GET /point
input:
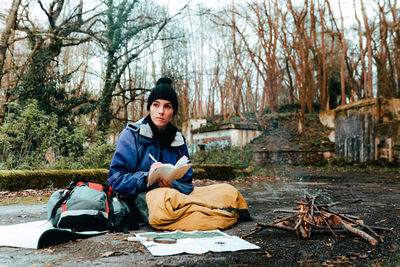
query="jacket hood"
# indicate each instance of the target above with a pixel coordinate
(145, 131)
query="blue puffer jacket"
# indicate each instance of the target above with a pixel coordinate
(131, 162)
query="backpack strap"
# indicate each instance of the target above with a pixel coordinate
(108, 190)
(78, 181)
(59, 203)
(66, 193)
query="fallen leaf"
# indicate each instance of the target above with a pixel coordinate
(267, 254)
(363, 256)
(356, 241)
(113, 253)
(329, 245)
(48, 250)
(340, 262)
(107, 254)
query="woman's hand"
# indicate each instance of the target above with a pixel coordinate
(164, 183)
(153, 167)
(161, 181)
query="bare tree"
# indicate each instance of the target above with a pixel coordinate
(368, 34)
(36, 74)
(386, 51)
(324, 94)
(298, 54)
(125, 36)
(395, 42)
(342, 58)
(11, 24)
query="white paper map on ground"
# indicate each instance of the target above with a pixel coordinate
(38, 234)
(195, 242)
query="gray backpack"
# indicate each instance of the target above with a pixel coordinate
(86, 206)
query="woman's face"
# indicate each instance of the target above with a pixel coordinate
(161, 112)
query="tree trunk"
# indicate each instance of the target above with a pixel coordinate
(368, 34)
(5, 36)
(105, 111)
(342, 59)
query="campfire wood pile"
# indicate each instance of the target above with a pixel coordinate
(312, 215)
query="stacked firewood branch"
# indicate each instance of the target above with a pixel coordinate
(312, 215)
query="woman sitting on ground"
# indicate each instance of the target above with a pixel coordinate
(153, 135)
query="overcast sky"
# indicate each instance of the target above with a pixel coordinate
(347, 6)
(175, 5)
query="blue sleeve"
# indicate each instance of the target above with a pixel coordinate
(184, 184)
(122, 176)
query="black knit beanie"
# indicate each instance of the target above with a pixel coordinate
(163, 90)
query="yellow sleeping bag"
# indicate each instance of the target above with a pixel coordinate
(206, 208)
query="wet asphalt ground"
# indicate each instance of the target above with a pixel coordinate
(373, 198)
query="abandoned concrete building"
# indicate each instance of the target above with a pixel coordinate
(368, 130)
(201, 137)
(364, 131)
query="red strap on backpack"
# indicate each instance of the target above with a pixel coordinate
(97, 187)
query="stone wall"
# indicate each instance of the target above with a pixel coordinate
(291, 157)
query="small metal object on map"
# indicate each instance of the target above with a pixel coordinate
(165, 240)
(161, 240)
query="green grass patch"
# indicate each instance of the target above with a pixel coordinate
(28, 200)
